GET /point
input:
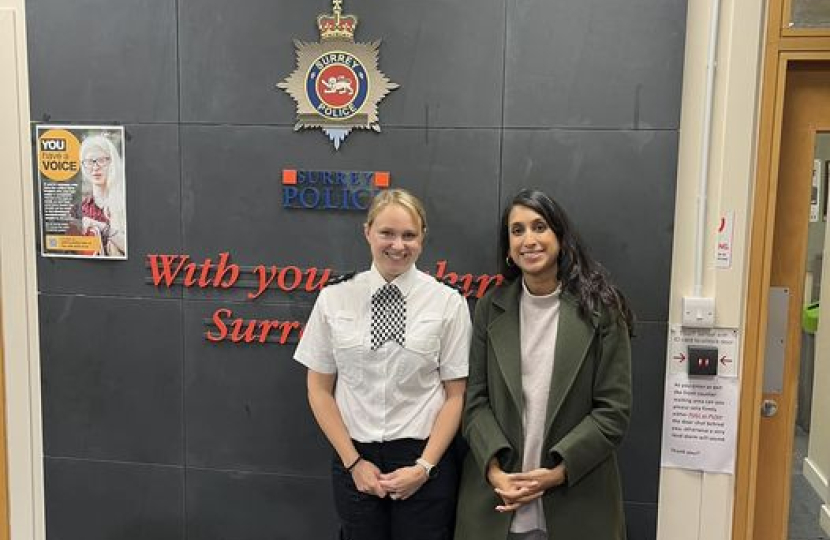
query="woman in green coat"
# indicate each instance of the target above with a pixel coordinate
(549, 390)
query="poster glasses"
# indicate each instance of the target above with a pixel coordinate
(101, 162)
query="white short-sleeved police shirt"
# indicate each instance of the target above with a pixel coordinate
(393, 392)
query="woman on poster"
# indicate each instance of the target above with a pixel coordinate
(103, 213)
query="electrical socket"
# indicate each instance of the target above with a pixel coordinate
(698, 312)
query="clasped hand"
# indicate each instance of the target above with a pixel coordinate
(400, 484)
(89, 224)
(516, 489)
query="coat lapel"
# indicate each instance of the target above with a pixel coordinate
(503, 332)
(572, 342)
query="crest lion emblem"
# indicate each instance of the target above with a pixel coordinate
(337, 84)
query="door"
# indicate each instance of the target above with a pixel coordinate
(806, 110)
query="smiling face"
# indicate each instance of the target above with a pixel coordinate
(96, 162)
(534, 246)
(395, 238)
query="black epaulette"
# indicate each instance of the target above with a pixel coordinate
(340, 278)
(452, 285)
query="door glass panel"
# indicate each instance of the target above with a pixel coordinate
(810, 14)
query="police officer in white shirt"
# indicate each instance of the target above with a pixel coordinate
(387, 355)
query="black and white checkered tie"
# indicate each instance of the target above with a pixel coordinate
(388, 316)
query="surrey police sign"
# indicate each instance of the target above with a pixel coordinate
(331, 190)
(337, 84)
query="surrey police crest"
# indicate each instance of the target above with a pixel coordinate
(337, 84)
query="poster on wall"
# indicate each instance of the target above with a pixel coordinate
(700, 423)
(81, 188)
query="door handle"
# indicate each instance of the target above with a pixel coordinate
(769, 408)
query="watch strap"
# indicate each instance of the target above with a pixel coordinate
(428, 467)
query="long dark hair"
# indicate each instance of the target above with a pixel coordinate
(580, 275)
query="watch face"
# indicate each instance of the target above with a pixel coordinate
(431, 470)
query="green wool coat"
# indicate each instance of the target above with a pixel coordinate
(587, 415)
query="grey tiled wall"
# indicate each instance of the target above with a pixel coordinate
(150, 431)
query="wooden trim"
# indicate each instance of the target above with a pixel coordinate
(806, 56)
(760, 248)
(776, 21)
(5, 530)
(785, 12)
(18, 286)
(792, 41)
(760, 245)
(805, 33)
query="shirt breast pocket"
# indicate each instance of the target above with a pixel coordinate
(347, 344)
(417, 368)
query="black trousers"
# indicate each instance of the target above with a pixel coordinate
(429, 514)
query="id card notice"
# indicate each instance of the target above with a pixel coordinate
(700, 423)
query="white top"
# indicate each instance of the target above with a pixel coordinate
(539, 326)
(393, 392)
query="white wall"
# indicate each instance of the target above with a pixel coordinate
(817, 462)
(18, 303)
(695, 505)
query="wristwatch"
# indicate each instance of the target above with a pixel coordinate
(431, 470)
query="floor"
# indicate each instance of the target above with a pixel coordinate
(804, 503)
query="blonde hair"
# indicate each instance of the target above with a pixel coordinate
(115, 202)
(402, 198)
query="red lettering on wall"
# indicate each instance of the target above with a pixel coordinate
(465, 281)
(237, 335)
(167, 268)
(166, 271)
(282, 279)
(218, 317)
(288, 279)
(264, 278)
(312, 273)
(485, 281)
(250, 330)
(170, 270)
(222, 271)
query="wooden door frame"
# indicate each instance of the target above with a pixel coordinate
(18, 291)
(5, 531)
(783, 46)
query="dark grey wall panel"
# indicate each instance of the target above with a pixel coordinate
(232, 195)
(640, 450)
(594, 63)
(226, 79)
(112, 378)
(641, 521)
(619, 189)
(98, 60)
(447, 56)
(244, 506)
(246, 406)
(87, 500)
(580, 98)
(154, 213)
(234, 53)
